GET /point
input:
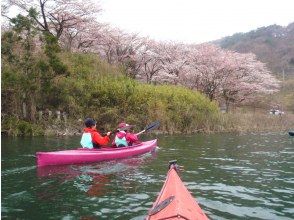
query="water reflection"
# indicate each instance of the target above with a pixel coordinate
(91, 178)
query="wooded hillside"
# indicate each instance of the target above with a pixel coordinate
(273, 45)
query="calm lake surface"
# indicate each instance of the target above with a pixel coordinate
(232, 177)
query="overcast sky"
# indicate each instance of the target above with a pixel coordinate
(195, 21)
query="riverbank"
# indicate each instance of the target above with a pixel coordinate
(99, 90)
(228, 123)
(255, 122)
(236, 122)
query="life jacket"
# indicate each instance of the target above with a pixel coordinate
(92, 139)
(120, 139)
(86, 140)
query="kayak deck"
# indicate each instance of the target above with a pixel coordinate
(175, 201)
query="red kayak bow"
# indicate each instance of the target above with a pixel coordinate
(175, 201)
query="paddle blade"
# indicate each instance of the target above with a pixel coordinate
(152, 126)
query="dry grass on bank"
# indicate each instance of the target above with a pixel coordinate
(255, 122)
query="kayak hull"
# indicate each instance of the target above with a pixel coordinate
(175, 201)
(80, 156)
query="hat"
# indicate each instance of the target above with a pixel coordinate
(124, 126)
(89, 122)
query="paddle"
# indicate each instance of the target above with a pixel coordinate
(150, 127)
(119, 129)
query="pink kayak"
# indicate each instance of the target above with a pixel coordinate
(80, 155)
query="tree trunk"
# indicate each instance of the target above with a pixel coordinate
(227, 105)
(211, 95)
(33, 111)
(24, 106)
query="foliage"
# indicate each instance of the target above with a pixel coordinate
(101, 91)
(28, 71)
(51, 50)
(111, 97)
(15, 127)
(244, 121)
(19, 63)
(283, 100)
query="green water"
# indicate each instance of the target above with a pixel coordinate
(231, 176)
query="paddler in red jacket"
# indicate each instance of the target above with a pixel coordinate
(91, 137)
(123, 137)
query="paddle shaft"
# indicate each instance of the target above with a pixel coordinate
(147, 128)
(141, 132)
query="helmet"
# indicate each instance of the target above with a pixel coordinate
(89, 122)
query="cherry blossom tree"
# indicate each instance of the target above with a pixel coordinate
(210, 67)
(119, 46)
(151, 61)
(54, 16)
(227, 75)
(175, 62)
(83, 37)
(250, 79)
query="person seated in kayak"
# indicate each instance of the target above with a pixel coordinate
(91, 137)
(124, 137)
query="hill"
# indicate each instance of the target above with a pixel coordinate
(273, 45)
